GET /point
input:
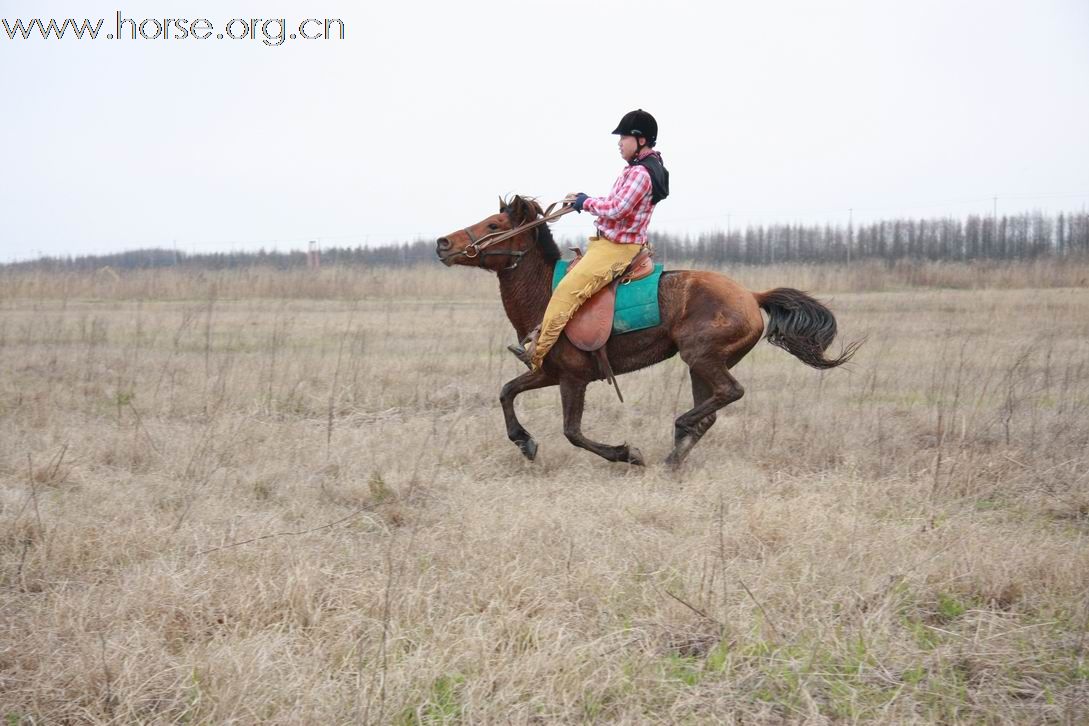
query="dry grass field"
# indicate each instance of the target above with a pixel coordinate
(260, 497)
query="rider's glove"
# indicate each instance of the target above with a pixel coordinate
(580, 199)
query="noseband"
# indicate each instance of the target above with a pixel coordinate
(474, 245)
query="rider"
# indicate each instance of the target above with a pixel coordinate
(622, 220)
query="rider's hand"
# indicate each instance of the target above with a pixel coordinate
(578, 201)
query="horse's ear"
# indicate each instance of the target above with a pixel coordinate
(520, 210)
(502, 204)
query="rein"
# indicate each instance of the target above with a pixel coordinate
(479, 246)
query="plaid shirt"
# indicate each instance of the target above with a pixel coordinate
(624, 215)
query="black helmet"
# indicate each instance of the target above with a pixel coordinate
(638, 123)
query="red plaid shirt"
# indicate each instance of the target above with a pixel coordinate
(624, 215)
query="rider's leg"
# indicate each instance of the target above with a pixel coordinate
(604, 260)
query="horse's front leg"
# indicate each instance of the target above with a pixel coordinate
(515, 431)
(573, 394)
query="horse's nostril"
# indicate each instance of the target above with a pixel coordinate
(444, 244)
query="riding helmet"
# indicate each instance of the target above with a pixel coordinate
(638, 123)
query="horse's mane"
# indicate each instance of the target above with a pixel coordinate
(526, 209)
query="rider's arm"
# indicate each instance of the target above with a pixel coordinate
(635, 185)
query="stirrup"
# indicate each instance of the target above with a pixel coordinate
(521, 350)
(521, 354)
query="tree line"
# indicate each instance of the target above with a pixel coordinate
(1012, 237)
(1008, 238)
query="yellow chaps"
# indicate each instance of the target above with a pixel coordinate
(604, 260)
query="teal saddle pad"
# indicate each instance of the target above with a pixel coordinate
(636, 302)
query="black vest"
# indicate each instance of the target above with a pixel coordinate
(659, 175)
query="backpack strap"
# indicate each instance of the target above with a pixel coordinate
(659, 175)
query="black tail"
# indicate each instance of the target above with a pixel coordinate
(802, 326)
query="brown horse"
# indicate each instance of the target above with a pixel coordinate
(706, 317)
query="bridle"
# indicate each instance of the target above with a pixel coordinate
(474, 245)
(480, 246)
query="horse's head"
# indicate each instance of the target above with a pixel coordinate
(477, 245)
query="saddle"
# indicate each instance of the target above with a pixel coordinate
(589, 328)
(592, 324)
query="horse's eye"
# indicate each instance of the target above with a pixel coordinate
(493, 226)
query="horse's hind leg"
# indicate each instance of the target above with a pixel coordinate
(515, 431)
(701, 391)
(713, 387)
(573, 394)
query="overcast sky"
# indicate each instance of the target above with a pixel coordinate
(413, 124)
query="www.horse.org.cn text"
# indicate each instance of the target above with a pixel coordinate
(270, 31)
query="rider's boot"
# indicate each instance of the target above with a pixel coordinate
(524, 349)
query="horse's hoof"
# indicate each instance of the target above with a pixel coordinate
(635, 457)
(528, 448)
(673, 461)
(680, 452)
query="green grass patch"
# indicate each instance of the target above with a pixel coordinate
(443, 704)
(950, 608)
(687, 670)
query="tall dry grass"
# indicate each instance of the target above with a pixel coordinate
(234, 506)
(432, 281)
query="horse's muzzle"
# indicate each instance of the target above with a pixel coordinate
(442, 247)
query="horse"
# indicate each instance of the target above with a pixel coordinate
(711, 321)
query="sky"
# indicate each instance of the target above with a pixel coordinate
(414, 123)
